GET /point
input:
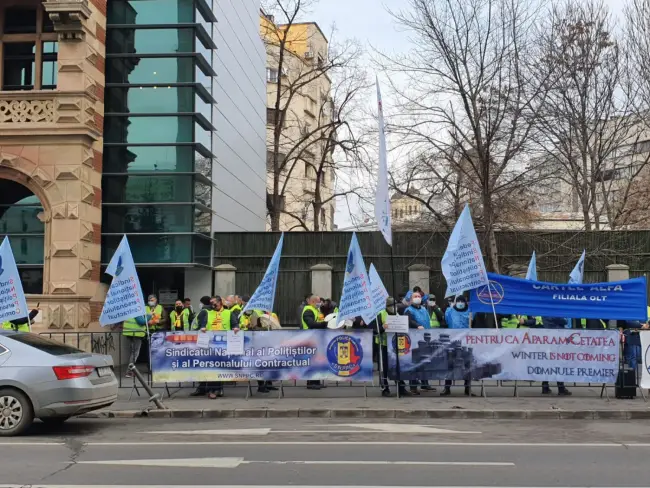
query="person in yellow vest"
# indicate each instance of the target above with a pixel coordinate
(219, 318)
(134, 331)
(21, 324)
(179, 318)
(201, 319)
(233, 303)
(310, 318)
(156, 311)
(509, 321)
(437, 318)
(593, 324)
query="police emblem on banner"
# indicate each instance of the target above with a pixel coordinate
(402, 343)
(344, 355)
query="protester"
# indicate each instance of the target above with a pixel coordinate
(391, 309)
(418, 319)
(155, 310)
(200, 322)
(554, 323)
(310, 320)
(631, 338)
(437, 318)
(458, 318)
(179, 318)
(187, 303)
(21, 324)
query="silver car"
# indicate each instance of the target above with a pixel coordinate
(42, 378)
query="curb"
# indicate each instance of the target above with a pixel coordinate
(370, 413)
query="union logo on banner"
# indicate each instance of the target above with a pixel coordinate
(344, 355)
(491, 293)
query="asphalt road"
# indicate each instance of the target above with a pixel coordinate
(328, 453)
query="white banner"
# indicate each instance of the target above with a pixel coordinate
(585, 356)
(645, 358)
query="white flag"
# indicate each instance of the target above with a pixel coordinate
(124, 299)
(382, 201)
(264, 296)
(356, 300)
(12, 297)
(377, 289)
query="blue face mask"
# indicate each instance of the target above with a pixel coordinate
(461, 306)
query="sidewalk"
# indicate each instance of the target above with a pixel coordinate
(349, 401)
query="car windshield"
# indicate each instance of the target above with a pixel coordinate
(46, 345)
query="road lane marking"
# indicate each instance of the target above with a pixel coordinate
(391, 463)
(359, 443)
(272, 486)
(241, 432)
(172, 463)
(407, 429)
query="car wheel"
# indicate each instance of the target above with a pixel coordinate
(16, 412)
(54, 420)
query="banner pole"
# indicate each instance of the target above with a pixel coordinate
(397, 366)
(494, 311)
(29, 322)
(149, 349)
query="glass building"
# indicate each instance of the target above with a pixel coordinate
(158, 128)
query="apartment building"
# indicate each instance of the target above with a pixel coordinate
(298, 73)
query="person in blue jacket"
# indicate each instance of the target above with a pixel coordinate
(418, 316)
(457, 317)
(554, 323)
(632, 342)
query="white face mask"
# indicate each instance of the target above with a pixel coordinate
(417, 301)
(461, 305)
(432, 304)
(152, 303)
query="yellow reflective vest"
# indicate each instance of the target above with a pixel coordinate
(24, 327)
(180, 321)
(511, 322)
(313, 310)
(131, 328)
(218, 320)
(156, 317)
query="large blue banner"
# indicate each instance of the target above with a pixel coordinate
(272, 355)
(623, 300)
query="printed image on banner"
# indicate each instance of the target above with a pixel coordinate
(272, 355)
(12, 298)
(588, 356)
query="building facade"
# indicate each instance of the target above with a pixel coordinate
(299, 73)
(107, 128)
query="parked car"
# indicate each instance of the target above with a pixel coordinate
(44, 379)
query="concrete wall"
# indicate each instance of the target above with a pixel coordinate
(239, 143)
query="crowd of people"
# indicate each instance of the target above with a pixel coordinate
(422, 309)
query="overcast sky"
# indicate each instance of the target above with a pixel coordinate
(370, 22)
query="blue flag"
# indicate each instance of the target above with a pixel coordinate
(462, 263)
(356, 299)
(12, 297)
(124, 299)
(577, 275)
(531, 274)
(378, 290)
(264, 296)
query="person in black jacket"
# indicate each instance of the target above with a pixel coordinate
(554, 323)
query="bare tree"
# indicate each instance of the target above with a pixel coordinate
(637, 16)
(466, 92)
(589, 130)
(301, 148)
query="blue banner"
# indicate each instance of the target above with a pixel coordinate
(356, 297)
(622, 300)
(264, 296)
(268, 355)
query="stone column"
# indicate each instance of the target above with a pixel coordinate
(618, 272)
(419, 276)
(225, 280)
(321, 280)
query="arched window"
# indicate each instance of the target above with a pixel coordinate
(19, 210)
(401, 213)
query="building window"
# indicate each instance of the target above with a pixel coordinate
(29, 49)
(272, 75)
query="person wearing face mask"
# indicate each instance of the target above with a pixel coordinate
(310, 319)
(381, 341)
(437, 319)
(179, 318)
(200, 322)
(458, 318)
(418, 319)
(154, 309)
(220, 319)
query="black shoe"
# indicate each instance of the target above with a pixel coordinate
(272, 388)
(197, 393)
(263, 389)
(220, 393)
(428, 388)
(446, 392)
(546, 391)
(403, 392)
(564, 392)
(415, 391)
(385, 392)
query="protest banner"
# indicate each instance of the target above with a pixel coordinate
(645, 358)
(531, 274)
(272, 355)
(377, 290)
(507, 354)
(462, 263)
(356, 300)
(264, 296)
(124, 299)
(622, 300)
(12, 297)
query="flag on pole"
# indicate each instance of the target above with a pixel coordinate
(462, 263)
(377, 290)
(264, 296)
(124, 299)
(531, 274)
(382, 201)
(12, 297)
(356, 299)
(577, 275)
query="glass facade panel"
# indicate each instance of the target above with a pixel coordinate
(152, 249)
(203, 136)
(151, 41)
(125, 159)
(156, 218)
(19, 65)
(150, 70)
(147, 12)
(151, 100)
(202, 249)
(27, 249)
(20, 20)
(202, 49)
(146, 189)
(204, 79)
(203, 107)
(50, 68)
(136, 130)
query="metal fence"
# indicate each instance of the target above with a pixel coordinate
(111, 343)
